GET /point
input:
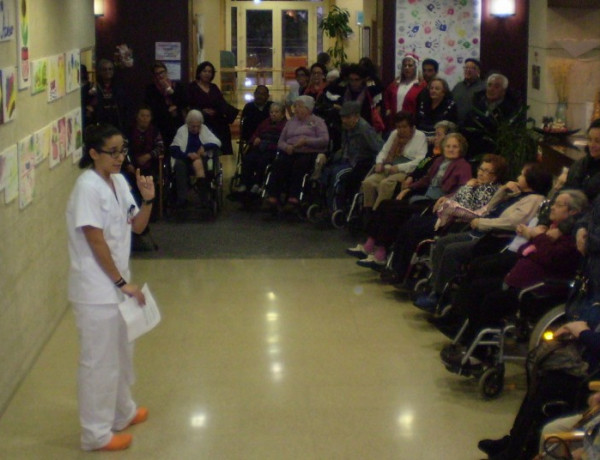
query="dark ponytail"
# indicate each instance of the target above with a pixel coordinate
(94, 138)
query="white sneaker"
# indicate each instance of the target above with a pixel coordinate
(357, 251)
(371, 262)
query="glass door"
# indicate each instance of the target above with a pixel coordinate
(272, 39)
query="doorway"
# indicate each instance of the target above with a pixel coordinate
(271, 39)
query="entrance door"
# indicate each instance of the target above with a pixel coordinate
(270, 39)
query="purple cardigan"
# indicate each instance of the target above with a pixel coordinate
(457, 174)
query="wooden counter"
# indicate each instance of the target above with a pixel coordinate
(555, 156)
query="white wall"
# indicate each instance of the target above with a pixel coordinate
(33, 247)
(545, 26)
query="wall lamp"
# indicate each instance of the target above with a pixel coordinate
(502, 8)
(98, 8)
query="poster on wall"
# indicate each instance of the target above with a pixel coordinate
(26, 171)
(1, 100)
(448, 31)
(39, 76)
(7, 20)
(52, 78)
(42, 144)
(23, 44)
(76, 135)
(9, 94)
(54, 158)
(73, 70)
(62, 138)
(10, 174)
(4, 167)
(61, 76)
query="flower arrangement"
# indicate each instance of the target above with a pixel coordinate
(560, 71)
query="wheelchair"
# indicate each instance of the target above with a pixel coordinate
(205, 196)
(537, 314)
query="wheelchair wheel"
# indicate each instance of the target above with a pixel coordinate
(420, 288)
(491, 382)
(312, 213)
(551, 321)
(338, 219)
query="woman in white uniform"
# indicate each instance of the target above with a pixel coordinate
(101, 214)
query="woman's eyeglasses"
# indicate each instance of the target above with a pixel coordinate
(114, 154)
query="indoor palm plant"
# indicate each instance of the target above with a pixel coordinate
(336, 25)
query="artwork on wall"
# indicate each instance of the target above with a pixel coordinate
(42, 144)
(52, 78)
(62, 76)
(23, 44)
(10, 174)
(39, 76)
(9, 94)
(26, 170)
(1, 100)
(62, 138)
(448, 31)
(76, 134)
(7, 20)
(54, 158)
(73, 70)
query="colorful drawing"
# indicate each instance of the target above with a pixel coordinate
(26, 171)
(62, 76)
(9, 92)
(7, 20)
(42, 140)
(73, 70)
(1, 100)
(54, 158)
(77, 128)
(70, 134)
(23, 44)
(39, 75)
(439, 29)
(52, 73)
(10, 174)
(62, 138)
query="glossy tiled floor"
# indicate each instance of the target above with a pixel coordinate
(271, 359)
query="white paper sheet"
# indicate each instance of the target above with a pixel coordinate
(140, 320)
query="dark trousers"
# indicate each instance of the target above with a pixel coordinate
(288, 172)
(348, 183)
(526, 429)
(254, 164)
(387, 220)
(416, 229)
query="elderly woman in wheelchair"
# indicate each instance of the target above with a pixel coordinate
(193, 152)
(302, 138)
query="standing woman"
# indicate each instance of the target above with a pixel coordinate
(437, 106)
(167, 100)
(205, 96)
(101, 214)
(402, 93)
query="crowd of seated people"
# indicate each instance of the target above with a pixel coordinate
(411, 148)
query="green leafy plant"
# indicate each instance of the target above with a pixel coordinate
(336, 25)
(512, 138)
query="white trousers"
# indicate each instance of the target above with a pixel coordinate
(105, 373)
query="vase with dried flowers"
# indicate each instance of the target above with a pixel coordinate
(560, 70)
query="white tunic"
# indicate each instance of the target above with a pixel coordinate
(93, 203)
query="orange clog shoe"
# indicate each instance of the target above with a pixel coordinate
(117, 442)
(140, 416)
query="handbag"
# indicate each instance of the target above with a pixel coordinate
(560, 354)
(229, 112)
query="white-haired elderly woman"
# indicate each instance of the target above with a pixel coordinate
(194, 144)
(302, 138)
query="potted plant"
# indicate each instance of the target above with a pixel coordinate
(512, 138)
(336, 25)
